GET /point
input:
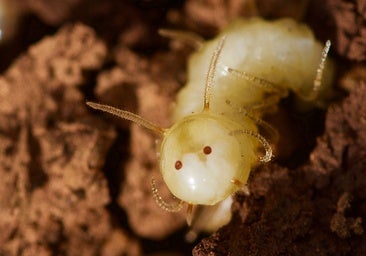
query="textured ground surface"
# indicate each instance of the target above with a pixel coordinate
(75, 182)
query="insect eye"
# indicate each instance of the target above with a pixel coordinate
(207, 150)
(178, 165)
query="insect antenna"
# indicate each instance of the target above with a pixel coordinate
(190, 38)
(211, 73)
(160, 201)
(269, 130)
(268, 156)
(127, 115)
(319, 73)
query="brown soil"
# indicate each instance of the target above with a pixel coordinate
(76, 182)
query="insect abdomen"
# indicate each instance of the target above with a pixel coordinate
(283, 52)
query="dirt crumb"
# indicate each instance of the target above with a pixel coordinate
(349, 19)
(51, 153)
(340, 224)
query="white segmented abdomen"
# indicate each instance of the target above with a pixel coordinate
(282, 52)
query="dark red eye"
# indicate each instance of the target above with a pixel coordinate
(178, 165)
(207, 150)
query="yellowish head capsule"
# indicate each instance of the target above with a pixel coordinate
(203, 170)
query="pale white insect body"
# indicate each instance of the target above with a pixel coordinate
(279, 56)
(208, 153)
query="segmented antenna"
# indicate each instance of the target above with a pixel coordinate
(211, 73)
(319, 74)
(160, 201)
(269, 154)
(127, 115)
(319, 71)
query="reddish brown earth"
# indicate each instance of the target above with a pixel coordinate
(76, 182)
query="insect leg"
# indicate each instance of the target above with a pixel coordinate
(264, 84)
(189, 215)
(243, 187)
(272, 132)
(266, 105)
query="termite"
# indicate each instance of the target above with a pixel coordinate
(207, 154)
